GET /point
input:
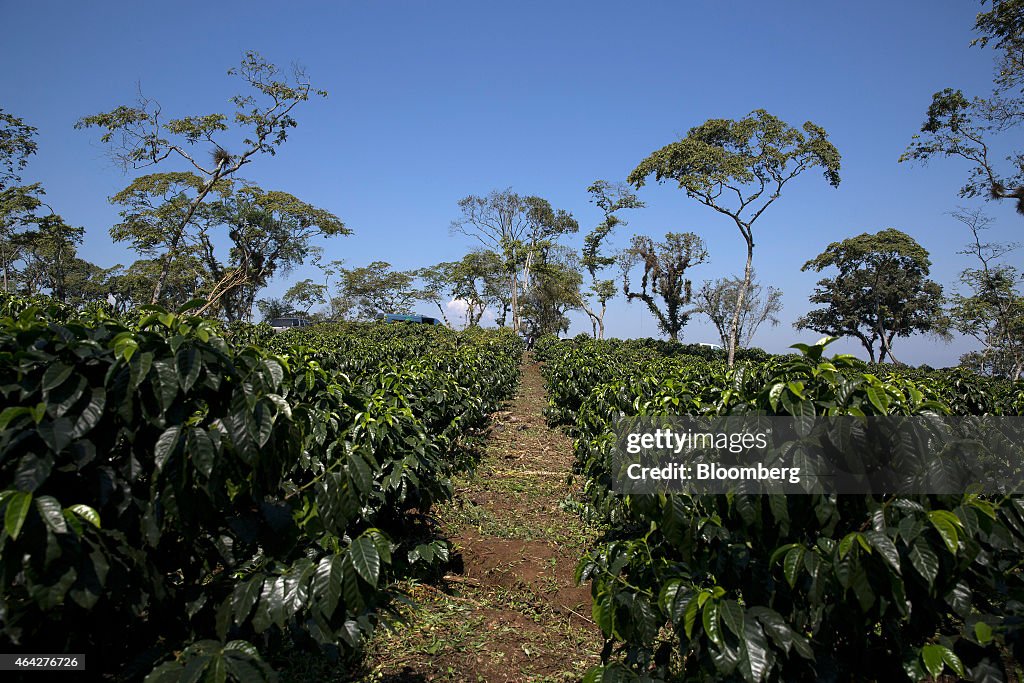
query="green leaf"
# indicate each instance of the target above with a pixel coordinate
(690, 616)
(791, 565)
(57, 433)
(201, 450)
(276, 372)
(757, 650)
(55, 375)
(8, 414)
(732, 615)
(359, 470)
(32, 471)
(244, 597)
(167, 384)
(925, 561)
(797, 389)
(189, 362)
(327, 583)
(983, 632)
(711, 623)
(86, 513)
(781, 551)
(885, 547)
(878, 397)
(952, 661)
(946, 523)
(91, 414)
(365, 559)
(52, 513)
(931, 657)
(17, 511)
(165, 446)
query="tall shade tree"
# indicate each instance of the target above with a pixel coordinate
(131, 287)
(717, 300)
(274, 308)
(517, 228)
(499, 222)
(664, 276)
(18, 203)
(738, 168)
(881, 292)
(545, 225)
(992, 310)
(16, 146)
(141, 137)
(271, 232)
(49, 253)
(555, 292)
(305, 294)
(153, 207)
(594, 258)
(376, 289)
(437, 283)
(971, 128)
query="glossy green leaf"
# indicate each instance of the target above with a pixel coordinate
(365, 559)
(87, 513)
(18, 506)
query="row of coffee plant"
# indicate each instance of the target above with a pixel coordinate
(177, 501)
(789, 588)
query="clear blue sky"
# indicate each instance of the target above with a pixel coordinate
(432, 101)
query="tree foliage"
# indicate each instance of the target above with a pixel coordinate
(664, 276)
(992, 310)
(717, 300)
(376, 289)
(305, 294)
(594, 258)
(881, 292)
(141, 137)
(477, 281)
(555, 292)
(518, 229)
(269, 232)
(738, 168)
(16, 146)
(975, 129)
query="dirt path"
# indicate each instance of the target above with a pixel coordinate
(509, 610)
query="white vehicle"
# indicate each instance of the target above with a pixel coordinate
(710, 346)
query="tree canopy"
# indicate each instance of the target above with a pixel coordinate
(594, 258)
(975, 129)
(738, 168)
(881, 292)
(992, 309)
(141, 137)
(664, 276)
(717, 300)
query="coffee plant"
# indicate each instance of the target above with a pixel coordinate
(176, 502)
(789, 588)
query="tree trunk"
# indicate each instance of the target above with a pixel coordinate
(870, 348)
(165, 267)
(443, 316)
(515, 301)
(886, 349)
(734, 326)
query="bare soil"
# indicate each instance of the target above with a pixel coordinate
(508, 609)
